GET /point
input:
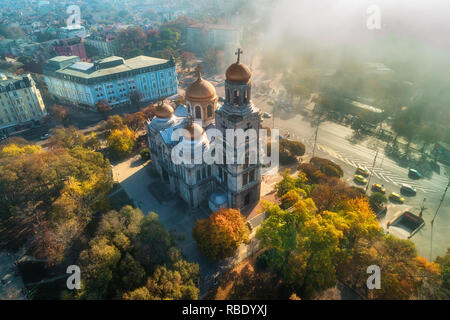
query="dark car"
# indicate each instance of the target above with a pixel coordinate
(414, 174)
(408, 190)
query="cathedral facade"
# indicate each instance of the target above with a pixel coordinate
(226, 184)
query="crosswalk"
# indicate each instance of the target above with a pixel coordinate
(380, 173)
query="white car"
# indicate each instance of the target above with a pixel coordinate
(267, 115)
(45, 136)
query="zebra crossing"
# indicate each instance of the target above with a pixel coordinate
(380, 173)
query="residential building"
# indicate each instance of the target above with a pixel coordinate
(71, 32)
(113, 79)
(103, 45)
(20, 103)
(201, 36)
(70, 47)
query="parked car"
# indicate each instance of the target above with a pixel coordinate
(396, 197)
(378, 188)
(267, 115)
(362, 171)
(45, 136)
(414, 174)
(408, 190)
(360, 179)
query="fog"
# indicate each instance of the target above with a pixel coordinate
(343, 21)
(411, 37)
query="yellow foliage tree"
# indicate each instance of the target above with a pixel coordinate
(121, 142)
(13, 150)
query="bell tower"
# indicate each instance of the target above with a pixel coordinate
(240, 175)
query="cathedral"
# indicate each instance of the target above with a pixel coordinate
(220, 185)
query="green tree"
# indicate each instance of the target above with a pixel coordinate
(67, 137)
(377, 200)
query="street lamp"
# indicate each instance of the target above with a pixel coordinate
(371, 171)
(432, 221)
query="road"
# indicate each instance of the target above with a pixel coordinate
(334, 142)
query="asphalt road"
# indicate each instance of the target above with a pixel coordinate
(334, 142)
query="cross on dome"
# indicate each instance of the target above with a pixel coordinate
(199, 71)
(238, 53)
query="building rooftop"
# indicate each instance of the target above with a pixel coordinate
(104, 67)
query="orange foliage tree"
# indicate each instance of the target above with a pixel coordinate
(219, 236)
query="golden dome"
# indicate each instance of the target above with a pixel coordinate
(201, 89)
(163, 110)
(238, 72)
(193, 131)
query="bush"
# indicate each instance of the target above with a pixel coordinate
(286, 158)
(313, 173)
(296, 148)
(145, 154)
(328, 167)
(377, 200)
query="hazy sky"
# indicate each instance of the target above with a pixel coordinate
(345, 20)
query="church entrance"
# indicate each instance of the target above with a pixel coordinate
(247, 199)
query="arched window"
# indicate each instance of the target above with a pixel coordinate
(236, 97)
(245, 96)
(209, 111)
(198, 112)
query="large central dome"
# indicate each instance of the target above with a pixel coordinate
(201, 89)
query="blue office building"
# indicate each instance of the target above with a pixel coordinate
(114, 79)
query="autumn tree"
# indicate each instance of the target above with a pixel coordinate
(67, 137)
(219, 236)
(304, 246)
(14, 150)
(112, 123)
(121, 142)
(51, 195)
(103, 106)
(187, 60)
(135, 121)
(61, 114)
(444, 266)
(132, 42)
(289, 182)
